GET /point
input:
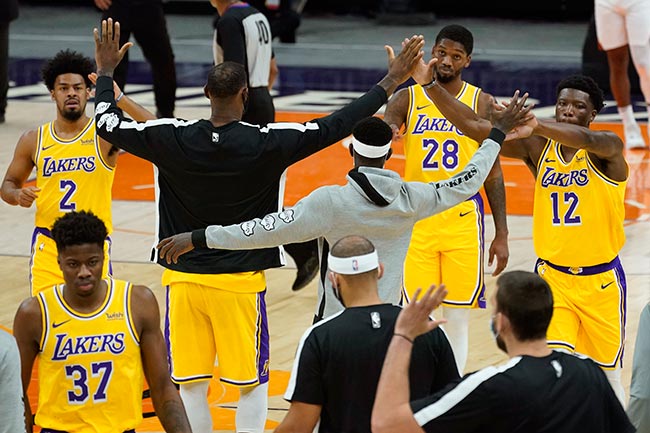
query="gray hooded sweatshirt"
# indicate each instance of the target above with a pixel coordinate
(375, 203)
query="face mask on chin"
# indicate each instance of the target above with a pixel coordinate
(336, 292)
(497, 338)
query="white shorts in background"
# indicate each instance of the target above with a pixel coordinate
(622, 22)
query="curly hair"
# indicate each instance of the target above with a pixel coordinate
(457, 33)
(67, 62)
(372, 131)
(78, 228)
(585, 84)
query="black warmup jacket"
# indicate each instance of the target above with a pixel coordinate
(207, 175)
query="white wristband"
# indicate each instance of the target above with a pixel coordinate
(121, 95)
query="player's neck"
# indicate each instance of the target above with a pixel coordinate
(223, 119)
(535, 348)
(362, 296)
(65, 128)
(454, 86)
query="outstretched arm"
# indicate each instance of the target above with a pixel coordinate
(325, 131)
(126, 104)
(310, 218)
(166, 400)
(396, 110)
(605, 146)
(467, 182)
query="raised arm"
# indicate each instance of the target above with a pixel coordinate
(28, 330)
(396, 110)
(604, 146)
(150, 140)
(13, 190)
(462, 116)
(325, 131)
(464, 184)
(166, 400)
(310, 218)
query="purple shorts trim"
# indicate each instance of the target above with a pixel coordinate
(584, 270)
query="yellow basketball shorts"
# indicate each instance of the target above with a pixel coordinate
(447, 248)
(206, 323)
(589, 310)
(44, 270)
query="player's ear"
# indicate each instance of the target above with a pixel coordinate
(205, 92)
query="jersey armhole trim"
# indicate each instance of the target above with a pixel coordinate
(44, 321)
(128, 290)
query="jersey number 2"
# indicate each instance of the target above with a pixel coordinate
(570, 199)
(68, 187)
(79, 375)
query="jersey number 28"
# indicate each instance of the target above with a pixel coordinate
(449, 149)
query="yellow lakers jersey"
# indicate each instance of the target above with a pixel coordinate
(435, 149)
(578, 211)
(90, 370)
(72, 175)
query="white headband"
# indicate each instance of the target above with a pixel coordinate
(353, 265)
(370, 151)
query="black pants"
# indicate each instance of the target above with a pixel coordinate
(4, 65)
(147, 23)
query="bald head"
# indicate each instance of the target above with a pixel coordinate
(352, 245)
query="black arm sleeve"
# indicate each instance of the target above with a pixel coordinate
(323, 132)
(142, 139)
(231, 36)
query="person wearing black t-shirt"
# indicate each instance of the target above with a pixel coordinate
(339, 359)
(242, 34)
(537, 390)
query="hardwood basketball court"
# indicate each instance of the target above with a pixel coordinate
(291, 313)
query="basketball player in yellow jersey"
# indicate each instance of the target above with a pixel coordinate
(448, 247)
(74, 167)
(580, 179)
(94, 339)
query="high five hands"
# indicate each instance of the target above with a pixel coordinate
(108, 53)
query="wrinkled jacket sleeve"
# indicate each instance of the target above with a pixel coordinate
(310, 218)
(147, 140)
(435, 197)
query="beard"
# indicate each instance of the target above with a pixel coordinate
(501, 344)
(445, 78)
(72, 115)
